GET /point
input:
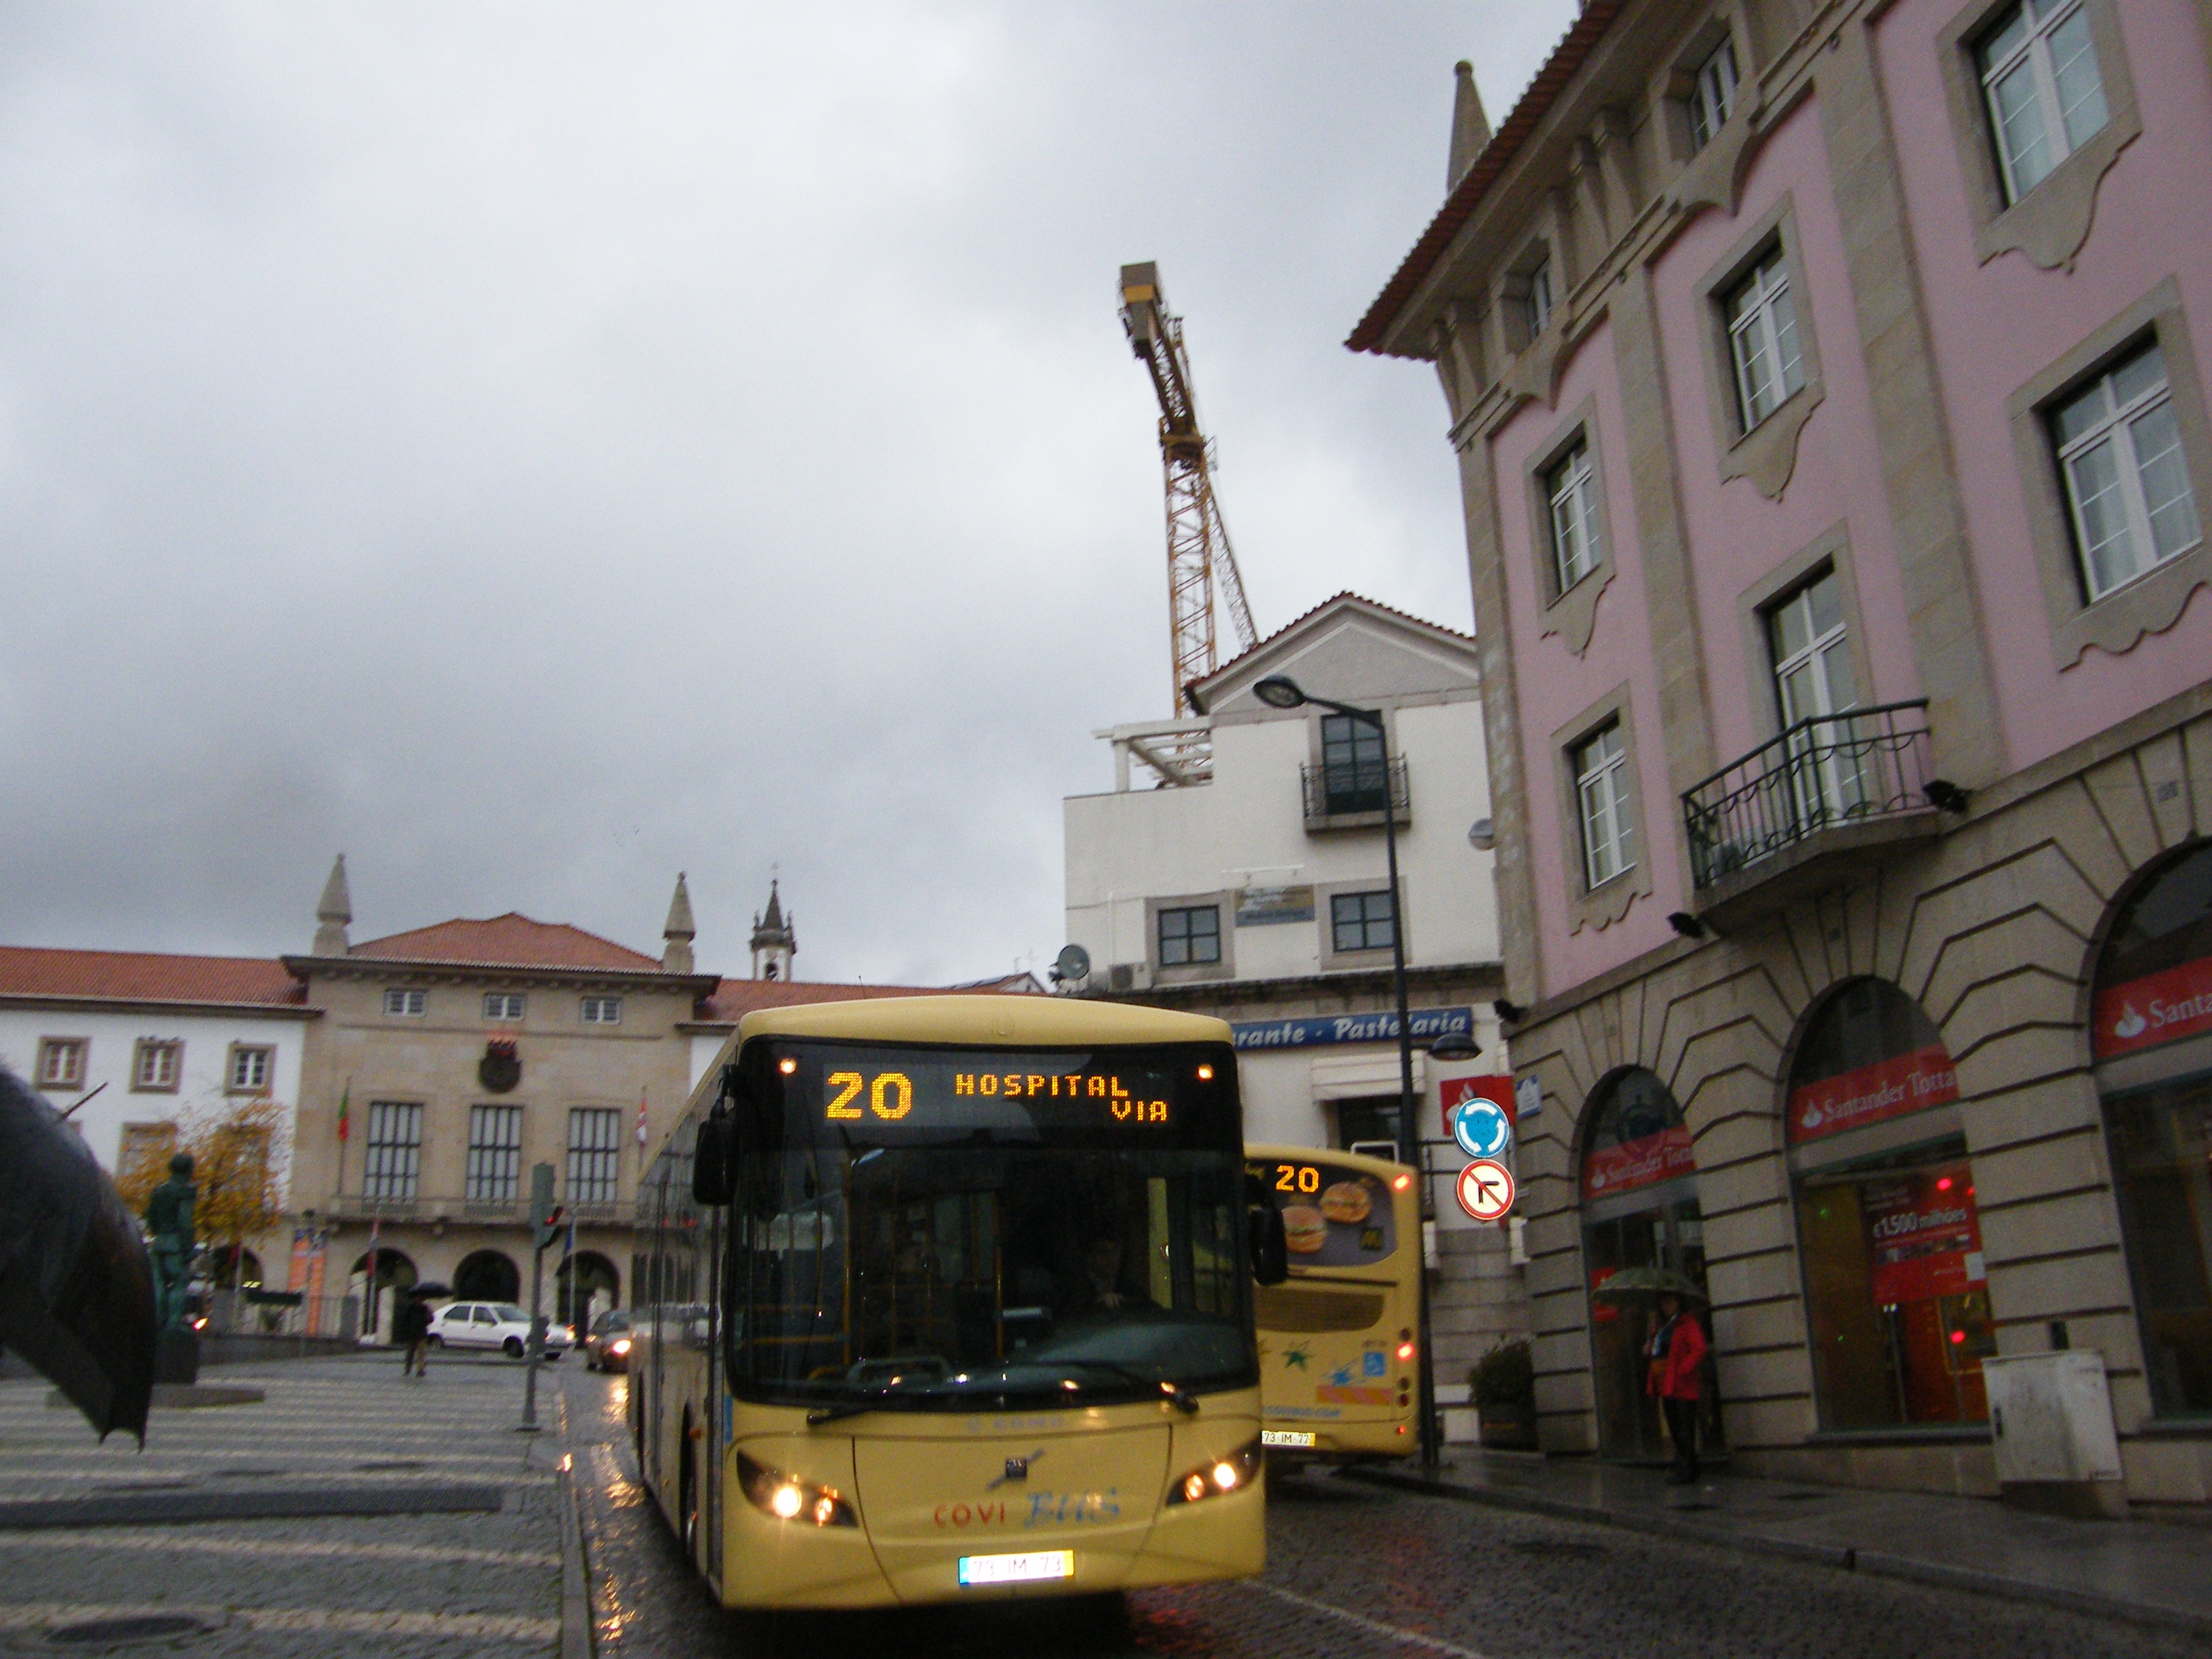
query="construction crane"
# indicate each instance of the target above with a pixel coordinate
(1201, 567)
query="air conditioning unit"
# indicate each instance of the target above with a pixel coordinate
(1122, 976)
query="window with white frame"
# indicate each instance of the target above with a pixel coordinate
(1571, 486)
(502, 1005)
(1828, 774)
(251, 1066)
(1362, 921)
(395, 1149)
(1713, 95)
(1190, 935)
(495, 1165)
(2127, 485)
(62, 1062)
(2045, 98)
(1763, 349)
(595, 1154)
(415, 1003)
(156, 1065)
(1538, 306)
(1601, 767)
(602, 1011)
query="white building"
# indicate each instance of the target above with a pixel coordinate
(1237, 868)
(114, 1038)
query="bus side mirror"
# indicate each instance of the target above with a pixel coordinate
(714, 1160)
(1271, 1248)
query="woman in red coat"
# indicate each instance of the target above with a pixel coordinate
(1676, 1352)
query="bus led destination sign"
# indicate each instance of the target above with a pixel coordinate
(921, 1093)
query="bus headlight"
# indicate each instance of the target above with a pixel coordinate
(1217, 1475)
(787, 1498)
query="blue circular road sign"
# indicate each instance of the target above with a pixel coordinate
(1481, 1128)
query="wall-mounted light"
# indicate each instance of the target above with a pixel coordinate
(1944, 795)
(1455, 1045)
(1511, 1012)
(1482, 835)
(1686, 924)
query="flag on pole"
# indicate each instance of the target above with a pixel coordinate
(640, 1117)
(345, 1111)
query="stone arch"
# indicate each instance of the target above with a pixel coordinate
(395, 1270)
(486, 1276)
(593, 1275)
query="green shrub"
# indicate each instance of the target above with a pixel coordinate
(1505, 1377)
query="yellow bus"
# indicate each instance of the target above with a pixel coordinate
(950, 1297)
(1339, 1378)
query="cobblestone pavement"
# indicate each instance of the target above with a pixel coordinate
(1353, 1572)
(387, 1585)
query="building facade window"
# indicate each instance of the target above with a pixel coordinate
(1536, 309)
(1355, 775)
(1762, 348)
(143, 1158)
(1362, 921)
(250, 1067)
(1609, 829)
(2038, 68)
(1713, 96)
(495, 1166)
(2151, 1036)
(408, 1002)
(62, 1061)
(2127, 485)
(595, 1154)
(394, 1150)
(1570, 488)
(1813, 677)
(502, 1005)
(157, 1066)
(602, 1011)
(1897, 1297)
(1189, 935)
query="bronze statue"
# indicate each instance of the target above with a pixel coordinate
(169, 1220)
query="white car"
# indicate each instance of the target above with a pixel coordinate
(499, 1325)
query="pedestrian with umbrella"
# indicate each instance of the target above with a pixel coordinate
(1674, 1357)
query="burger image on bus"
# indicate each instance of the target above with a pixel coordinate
(1304, 1229)
(1348, 1201)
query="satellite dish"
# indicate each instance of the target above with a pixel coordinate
(1073, 963)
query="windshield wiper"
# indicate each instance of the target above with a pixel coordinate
(820, 1414)
(1184, 1401)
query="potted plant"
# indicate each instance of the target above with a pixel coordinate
(1503, 1385)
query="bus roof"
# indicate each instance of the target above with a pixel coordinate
(1048, 1022)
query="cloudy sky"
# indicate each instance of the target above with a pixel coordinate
(538, 448)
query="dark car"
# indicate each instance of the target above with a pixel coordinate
(606, 1344)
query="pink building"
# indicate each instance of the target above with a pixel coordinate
(1835, 460)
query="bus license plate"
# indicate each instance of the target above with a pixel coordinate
(1026, 1568)
(1286, 1436)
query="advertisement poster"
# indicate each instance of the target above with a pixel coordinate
(1634, 1163)
(1888, 1088)
(2158, 1008)
(1923, 1238)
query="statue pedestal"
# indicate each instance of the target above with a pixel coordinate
(176, 1357)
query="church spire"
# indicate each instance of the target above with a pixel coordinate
(677, 931)
(1470, 133)
(333, 913)
(776, 940)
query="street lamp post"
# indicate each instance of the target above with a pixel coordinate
(1281, 691)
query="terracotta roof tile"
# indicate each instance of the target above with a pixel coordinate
(513, 940)
(146, 977)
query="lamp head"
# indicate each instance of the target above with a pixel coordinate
(1279, 691)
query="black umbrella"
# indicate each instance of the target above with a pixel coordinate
(76, 1292)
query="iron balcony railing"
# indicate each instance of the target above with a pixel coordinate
(1354, 788)
(1831, 770)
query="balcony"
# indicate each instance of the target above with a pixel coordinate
(1350, 796)
(1831, 795)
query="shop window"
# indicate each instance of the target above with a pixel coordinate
(1896, 1290)
(1639, 1207)
(2152, 1013)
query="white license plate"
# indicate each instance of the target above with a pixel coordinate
(1286, 1436)
(1027, 1568)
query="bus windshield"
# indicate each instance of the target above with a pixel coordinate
(957, 1229)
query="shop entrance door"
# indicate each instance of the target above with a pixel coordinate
(1657, 1228)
